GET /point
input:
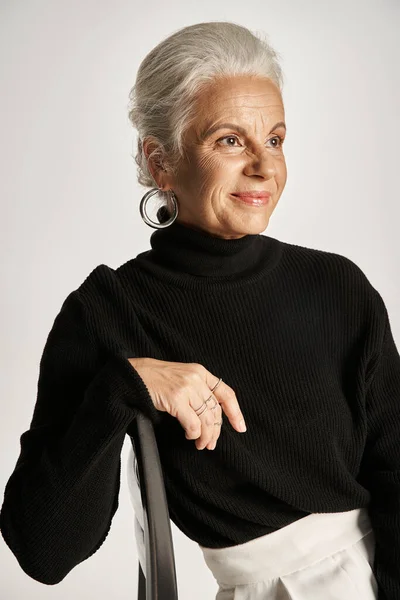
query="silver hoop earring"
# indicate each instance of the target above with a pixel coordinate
(161, 211)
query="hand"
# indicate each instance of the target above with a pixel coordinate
(180, 388)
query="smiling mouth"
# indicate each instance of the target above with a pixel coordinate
(253, 194)
(259, 200)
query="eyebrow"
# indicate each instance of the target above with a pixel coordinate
(241, 130)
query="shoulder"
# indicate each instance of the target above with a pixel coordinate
(101, 277)
(103, 282)
(102, 292)
(332, 266)
(339, 278)
(110, 313)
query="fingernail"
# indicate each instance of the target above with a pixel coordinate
(242, 426)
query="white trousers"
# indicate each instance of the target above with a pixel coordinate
(323, 556)
(135, 497)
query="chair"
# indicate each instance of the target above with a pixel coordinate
(157, 574)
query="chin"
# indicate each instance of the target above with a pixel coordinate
(255, 225)
(258, 227)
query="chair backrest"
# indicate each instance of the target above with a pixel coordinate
(160, 570)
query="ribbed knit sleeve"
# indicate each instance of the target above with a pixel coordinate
(62, 495)
(381, 463)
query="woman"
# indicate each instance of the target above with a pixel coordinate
(214, 324)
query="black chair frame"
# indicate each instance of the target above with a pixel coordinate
(160, 580)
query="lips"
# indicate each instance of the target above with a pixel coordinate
(260, 195)
(253, 198)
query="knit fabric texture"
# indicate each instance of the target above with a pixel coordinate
(301, 336)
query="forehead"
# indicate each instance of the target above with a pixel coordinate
(242, 91)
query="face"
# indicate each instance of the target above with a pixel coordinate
(234, 145)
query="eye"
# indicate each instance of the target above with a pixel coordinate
(234, 137)
(228, 137)
(280, 140)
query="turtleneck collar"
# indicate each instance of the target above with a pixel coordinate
(188, 250)
(196, 260)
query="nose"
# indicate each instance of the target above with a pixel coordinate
(260, 163)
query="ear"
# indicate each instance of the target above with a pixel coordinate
(151, 150)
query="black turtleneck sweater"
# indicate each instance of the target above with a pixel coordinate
(302, 337)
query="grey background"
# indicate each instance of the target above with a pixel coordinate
(70, 199)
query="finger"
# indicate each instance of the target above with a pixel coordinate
(226, 397)
(199, 397)
(209, 431)
(217, 428)
(188, 401)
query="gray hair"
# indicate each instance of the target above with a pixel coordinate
(174, 72)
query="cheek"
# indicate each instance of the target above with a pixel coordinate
(211, 168)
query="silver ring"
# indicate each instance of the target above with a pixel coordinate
(208, 399)
(205, 408)
(215, 401)
(217, 384)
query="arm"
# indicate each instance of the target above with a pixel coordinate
(63, 493)
(381, 463)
